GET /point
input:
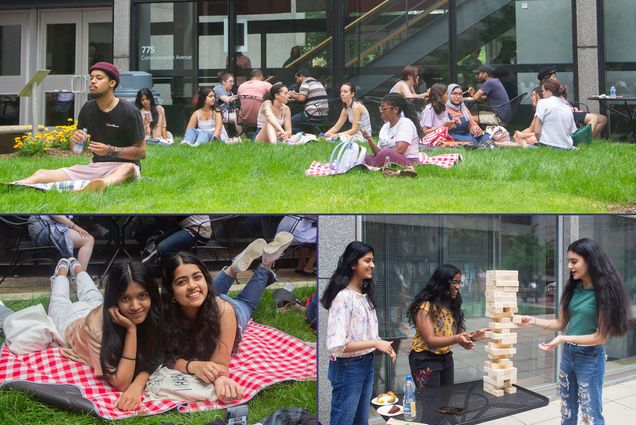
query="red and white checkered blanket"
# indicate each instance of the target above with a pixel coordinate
(317, 169)
(266, 356)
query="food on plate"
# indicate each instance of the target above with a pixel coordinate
(391, 394)
(394, 409)
(386, 398)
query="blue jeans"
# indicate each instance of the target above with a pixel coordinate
(178, 241)
(352, 383)
(581, 384)
(196, 137)
(247, 300)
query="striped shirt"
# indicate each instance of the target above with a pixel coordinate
(316, 105)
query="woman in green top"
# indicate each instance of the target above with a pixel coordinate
(594, 306)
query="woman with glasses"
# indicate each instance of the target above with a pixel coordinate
(227, 101)
(439, 323)
(399, 136)
(466, 128)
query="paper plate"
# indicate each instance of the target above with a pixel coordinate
(384, 410)
(377, 403)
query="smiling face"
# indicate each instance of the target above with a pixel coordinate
(363, 269)
(455, 285)
(577, 267)
(135, 303)
(189, 287)
(100, 83)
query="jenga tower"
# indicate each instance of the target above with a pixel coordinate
(501, 304)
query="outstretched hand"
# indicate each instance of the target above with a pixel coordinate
(479, 334)
(549, 346)
(463, 339)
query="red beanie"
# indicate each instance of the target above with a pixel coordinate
(110, 69)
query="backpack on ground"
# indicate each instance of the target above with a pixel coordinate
(347, 155)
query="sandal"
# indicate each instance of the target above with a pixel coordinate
(62, 263)
(72, 263)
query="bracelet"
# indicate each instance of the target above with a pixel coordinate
(129, 358)
(186, 368)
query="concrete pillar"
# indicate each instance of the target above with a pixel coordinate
(121, 34)
(335, 233)
(587, 52)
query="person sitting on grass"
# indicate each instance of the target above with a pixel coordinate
(154, 118)
(206, 123)
(203, 324)
(434, 115)
(399, 136)
(466, 128)
(555, 123)
(226, 101)
(116, 334)
(353, 111)
(528, 136)
(116, 133)
(274, 117)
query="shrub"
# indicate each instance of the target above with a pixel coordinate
(45, 139)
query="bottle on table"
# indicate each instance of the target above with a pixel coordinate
(409, 399)
(613, 92)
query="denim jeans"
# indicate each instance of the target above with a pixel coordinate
(247, 300)
(196, 137)
(352, 383)
(581, 384)
(178, 241)
(62, 310)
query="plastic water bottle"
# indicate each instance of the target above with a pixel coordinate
(409, 399)
(613, 92)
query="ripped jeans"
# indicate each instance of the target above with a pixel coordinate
(581, 384)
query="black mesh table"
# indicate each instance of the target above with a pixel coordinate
(480, 406)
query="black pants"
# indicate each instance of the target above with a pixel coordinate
(430, 370)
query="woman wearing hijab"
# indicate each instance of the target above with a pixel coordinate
(466, 128)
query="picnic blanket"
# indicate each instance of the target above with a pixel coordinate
(318, 169)
(266, 356)
(63, 186)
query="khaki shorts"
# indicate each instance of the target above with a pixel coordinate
(95, 170)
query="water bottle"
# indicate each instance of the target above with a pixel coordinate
(613, 92)
(409, 399)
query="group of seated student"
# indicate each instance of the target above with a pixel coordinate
(118, 334)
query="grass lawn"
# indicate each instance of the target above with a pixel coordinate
(255, 178)
(18, 408)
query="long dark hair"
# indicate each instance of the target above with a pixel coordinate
(436, 97)
(153, 107)
(273, 91)
(397, 100)
(203, 94)
(612, 298)
(437, 292)
(352, 89)
(344, 272)
(199, 341)
(148, 332)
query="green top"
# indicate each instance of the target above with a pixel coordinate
(582, 311)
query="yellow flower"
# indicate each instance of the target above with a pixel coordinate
(70, 120)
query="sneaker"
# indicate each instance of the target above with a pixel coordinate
(243, 261)
(96, 185)
(150, 256)
(72, 264)
(275, 249)
(62, 263)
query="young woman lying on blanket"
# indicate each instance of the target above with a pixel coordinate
(116, 334)
(203, 324)
(399, 136)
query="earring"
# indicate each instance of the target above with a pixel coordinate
(174, 300)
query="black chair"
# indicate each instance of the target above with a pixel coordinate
(20, 248)
(514, 104)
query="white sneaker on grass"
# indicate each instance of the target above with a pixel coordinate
(275, 249)
(243, 261)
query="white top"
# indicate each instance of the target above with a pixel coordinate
(365, 120)
(557, 123)
(206, 125)
(403, 131)
(351, 318)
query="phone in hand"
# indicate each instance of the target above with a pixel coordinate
(451, 410)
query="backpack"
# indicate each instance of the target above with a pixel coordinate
(347, 155)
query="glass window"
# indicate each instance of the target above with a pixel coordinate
(617, 236)
(9, 110)
(60, 48)
(100, 43)
(10, 44)
(409, 248)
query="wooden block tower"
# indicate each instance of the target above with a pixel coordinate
(501, 305)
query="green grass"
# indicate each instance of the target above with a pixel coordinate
(19, 408)
(256, 178)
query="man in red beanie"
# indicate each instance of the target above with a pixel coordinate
(111, 129)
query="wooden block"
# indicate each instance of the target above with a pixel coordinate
(501, 364)
(499, 313)
(505, 372)
(508, 289)
(499, 292)
(502, 275)
(502, 338)
(503, 304)
(492, 390)
(501, 351)
(510, 390)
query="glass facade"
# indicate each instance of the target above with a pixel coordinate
(409, 248)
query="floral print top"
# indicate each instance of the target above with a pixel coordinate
(443, 325)
(351, 318)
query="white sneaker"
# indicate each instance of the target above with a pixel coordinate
(72, 263)
(243, 261)
(275, 249)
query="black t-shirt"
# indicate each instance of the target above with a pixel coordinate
(121, 127)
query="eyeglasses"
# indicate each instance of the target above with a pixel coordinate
(456, 282)
(382, 108)
(456, 94)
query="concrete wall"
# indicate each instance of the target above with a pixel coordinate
(587, 52)
(121, 34)
(335, 232)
